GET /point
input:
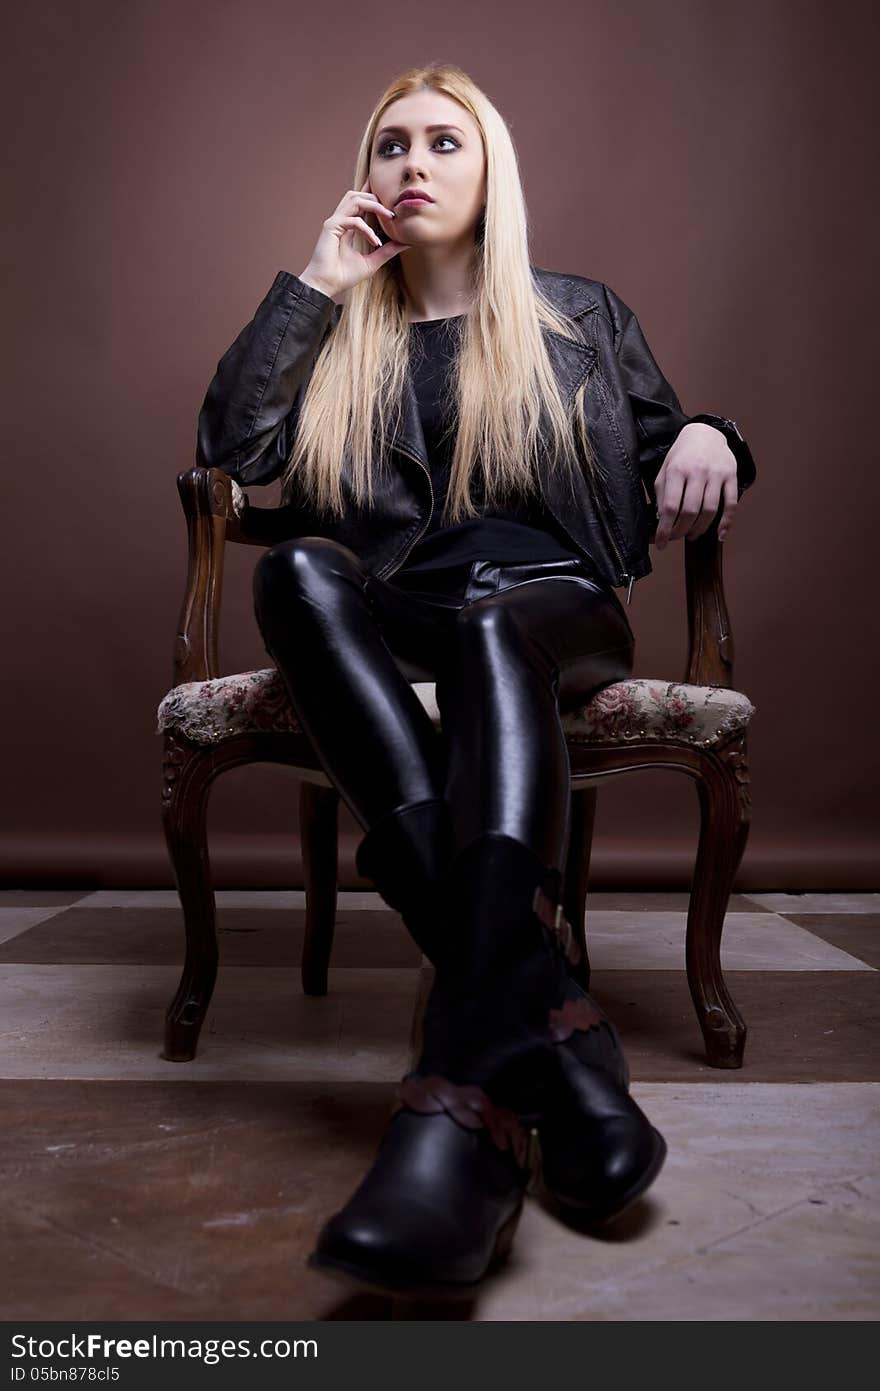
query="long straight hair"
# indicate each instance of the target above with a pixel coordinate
(502, 382)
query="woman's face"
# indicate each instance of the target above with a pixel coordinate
(447, 162)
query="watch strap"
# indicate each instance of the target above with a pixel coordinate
(745, 464)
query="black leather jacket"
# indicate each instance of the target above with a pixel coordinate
(633, 416)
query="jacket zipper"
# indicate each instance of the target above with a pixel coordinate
(625, 575)
(604, 517)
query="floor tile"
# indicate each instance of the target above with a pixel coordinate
(802, 1025)
(814, 1260)
(858, 934)
(246, 936)
(249, 934)
(818, 903)
(149, 1200)
(53, 1272)
(107, 1022)
(365, 900)
(662, 901)
(751, 1181)
(129, 1196)
(369, 900)
(738, 1158)
(39, 898)
(653, 941)
(99, 1021)
(163, 1202)
(16, 921)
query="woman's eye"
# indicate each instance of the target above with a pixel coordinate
(383, 149)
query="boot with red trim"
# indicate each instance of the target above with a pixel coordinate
(599, 1151)
(509, 1041)
(438, 1209)
(553, 1056)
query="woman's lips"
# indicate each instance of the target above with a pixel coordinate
(413, 203)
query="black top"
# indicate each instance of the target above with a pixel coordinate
(524, 532)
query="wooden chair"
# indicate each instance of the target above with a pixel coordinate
(211, 722)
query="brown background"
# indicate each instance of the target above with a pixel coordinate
(712, 163)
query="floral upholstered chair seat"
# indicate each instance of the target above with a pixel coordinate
(253, 702)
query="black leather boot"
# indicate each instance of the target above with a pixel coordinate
(440, 1204)
(552, 1055)
(438, 1209)
(599, 1151)
(509, 1040)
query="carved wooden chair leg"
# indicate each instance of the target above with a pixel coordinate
(577, 873)
(187, 774)
(723, 789)
(319, 837)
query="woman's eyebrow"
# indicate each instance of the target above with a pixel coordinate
(401, 130)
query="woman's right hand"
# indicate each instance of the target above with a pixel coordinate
(336, 265)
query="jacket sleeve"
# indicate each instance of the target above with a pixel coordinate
(656, 408)
(248, 417)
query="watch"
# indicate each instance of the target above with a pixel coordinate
(745, 464)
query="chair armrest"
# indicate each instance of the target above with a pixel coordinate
(212, 503)
(710, 636)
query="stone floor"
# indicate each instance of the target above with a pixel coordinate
(139, 1188)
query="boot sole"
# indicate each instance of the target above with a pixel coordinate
(589, 1214)
(453, 1290)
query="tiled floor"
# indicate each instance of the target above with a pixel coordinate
(139, 1188)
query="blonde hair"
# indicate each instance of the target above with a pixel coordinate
(503, 379)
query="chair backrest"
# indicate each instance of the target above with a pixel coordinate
(211, 520)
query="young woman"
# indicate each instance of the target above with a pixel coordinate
(471, 450)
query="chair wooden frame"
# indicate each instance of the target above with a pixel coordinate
(720, 772)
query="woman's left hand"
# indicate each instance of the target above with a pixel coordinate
(699, 468)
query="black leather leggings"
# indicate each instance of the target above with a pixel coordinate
(510, 647)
